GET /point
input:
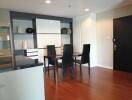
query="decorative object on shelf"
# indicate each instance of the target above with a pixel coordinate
(29, 30)
(24, 44)
(65, 31)
(68, 31)
(19, 29)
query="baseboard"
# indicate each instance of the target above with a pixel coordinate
(86, 65)
(103, 66)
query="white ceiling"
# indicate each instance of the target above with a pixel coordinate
(61, 7)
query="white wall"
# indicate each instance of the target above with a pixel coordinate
(25, 84)
(104, 41)
(47, 26)
(48, 39)
(46, 35)
(105, 34)
(84, 29)
(4, 17)
(97, 29)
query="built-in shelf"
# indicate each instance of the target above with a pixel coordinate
(48, 33)
(4, 40)
(23, 33)
(65, 34)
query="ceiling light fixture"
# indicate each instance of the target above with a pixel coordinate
(86, 9)
(48, 1)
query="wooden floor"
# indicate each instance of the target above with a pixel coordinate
(102, 84)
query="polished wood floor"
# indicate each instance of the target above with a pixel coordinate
(102, 84)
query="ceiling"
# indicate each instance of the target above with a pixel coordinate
(64, 8)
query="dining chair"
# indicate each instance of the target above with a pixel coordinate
(51, 53)
(67, 60)
(85, 57)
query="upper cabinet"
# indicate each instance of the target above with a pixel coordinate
(4, 17)
(48, 26)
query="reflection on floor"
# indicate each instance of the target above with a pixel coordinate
(102, 84)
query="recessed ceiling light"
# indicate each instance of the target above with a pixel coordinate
(86, 9)
(48, 1)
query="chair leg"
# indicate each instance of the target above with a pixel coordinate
(45, 65)
(45, 69)
(54, 73)
(80, 68)
(80, 71)
(75, 62)
(89, 68)
(63, 72)
(72, 71)
(48, 69)
(75, 67)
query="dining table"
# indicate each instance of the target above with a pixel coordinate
(59, 56)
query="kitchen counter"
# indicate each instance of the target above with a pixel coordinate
(24, 84)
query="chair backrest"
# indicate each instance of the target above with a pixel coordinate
(67, 54)
(86, 54)
(51, 53)
(51, 50)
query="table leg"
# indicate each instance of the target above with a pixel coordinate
(45, 65)
(75, 66)
(56, 71)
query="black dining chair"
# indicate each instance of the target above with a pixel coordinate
(67, 60)
(85, 57)
(51, 53)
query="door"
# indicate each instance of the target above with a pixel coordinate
(123, 44)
